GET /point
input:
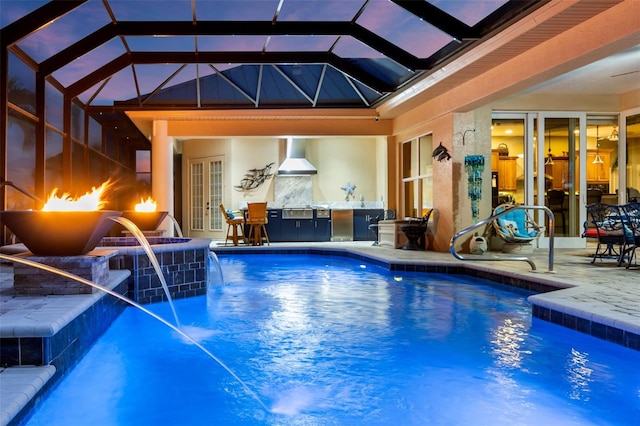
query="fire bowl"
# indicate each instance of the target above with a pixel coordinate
(146, 221)
(59, 233)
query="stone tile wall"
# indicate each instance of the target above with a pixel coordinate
(183, 262)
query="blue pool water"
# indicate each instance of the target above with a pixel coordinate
(325, 340)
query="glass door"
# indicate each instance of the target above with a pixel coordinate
(629, 155)
(509, 159)
(561, 160)
(205, 195)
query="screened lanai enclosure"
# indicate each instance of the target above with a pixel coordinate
(72, 68)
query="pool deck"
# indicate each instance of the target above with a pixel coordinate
(600, 293)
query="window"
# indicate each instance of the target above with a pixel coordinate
(143, 173)
(215, 194)
(417, 176)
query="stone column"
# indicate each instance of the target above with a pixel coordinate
(162, 173)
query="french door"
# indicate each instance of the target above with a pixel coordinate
(205, 195)
(561, 159)
(543, 163)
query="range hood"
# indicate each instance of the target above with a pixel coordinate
(295, 163)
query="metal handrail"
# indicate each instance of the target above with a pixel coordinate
(13, 185)
(490, 219)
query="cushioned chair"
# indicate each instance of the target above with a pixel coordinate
(606, 226)
(235, 227)
(630, 215)
(516, 226)
(257, 220)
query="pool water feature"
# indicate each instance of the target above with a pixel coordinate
(144, 243)
(332, 340)
(177, 328)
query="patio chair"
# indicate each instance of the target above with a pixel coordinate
(516, 226)
(606, 226)
(257, 220)
(235, 227)
(630, 214)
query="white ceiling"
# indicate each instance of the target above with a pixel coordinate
(616, 74)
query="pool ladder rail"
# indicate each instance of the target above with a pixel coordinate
(490, 219)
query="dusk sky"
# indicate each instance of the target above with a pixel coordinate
(382, 17)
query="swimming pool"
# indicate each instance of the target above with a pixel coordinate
(329, 340)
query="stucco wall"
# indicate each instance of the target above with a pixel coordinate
(360, 160)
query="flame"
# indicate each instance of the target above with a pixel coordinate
(146, 206)
(91, 201)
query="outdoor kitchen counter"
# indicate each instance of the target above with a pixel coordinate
(315, 223)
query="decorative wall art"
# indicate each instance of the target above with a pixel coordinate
(255, 178)
(474, 166)
(349, 190)
(464, 134)
(441, 153)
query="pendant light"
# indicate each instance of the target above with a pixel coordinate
(613, 137)
(549, 161)
(598, 159)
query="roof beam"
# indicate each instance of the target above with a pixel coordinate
(32, 22)
(342, 65)
(438, 18)
(266, 28)
(76, 50)
(98, 75)
(130, 28)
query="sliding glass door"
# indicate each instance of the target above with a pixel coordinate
(565, 161)
(561, 142)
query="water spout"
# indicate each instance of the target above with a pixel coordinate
(176, 225)
(144, 243)
(214, 275)
(65, 274)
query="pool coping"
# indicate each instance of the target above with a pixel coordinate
(557, 301)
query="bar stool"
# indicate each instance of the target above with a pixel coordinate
(235, 226)
(257, 219)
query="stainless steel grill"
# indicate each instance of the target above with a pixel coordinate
(295, 213)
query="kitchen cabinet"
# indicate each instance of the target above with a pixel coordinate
(559, 171)
(507, 173)
(495, 157)
(297, 230)
(598, 173)
(322, 230)
(362, 218)
(273, 226)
